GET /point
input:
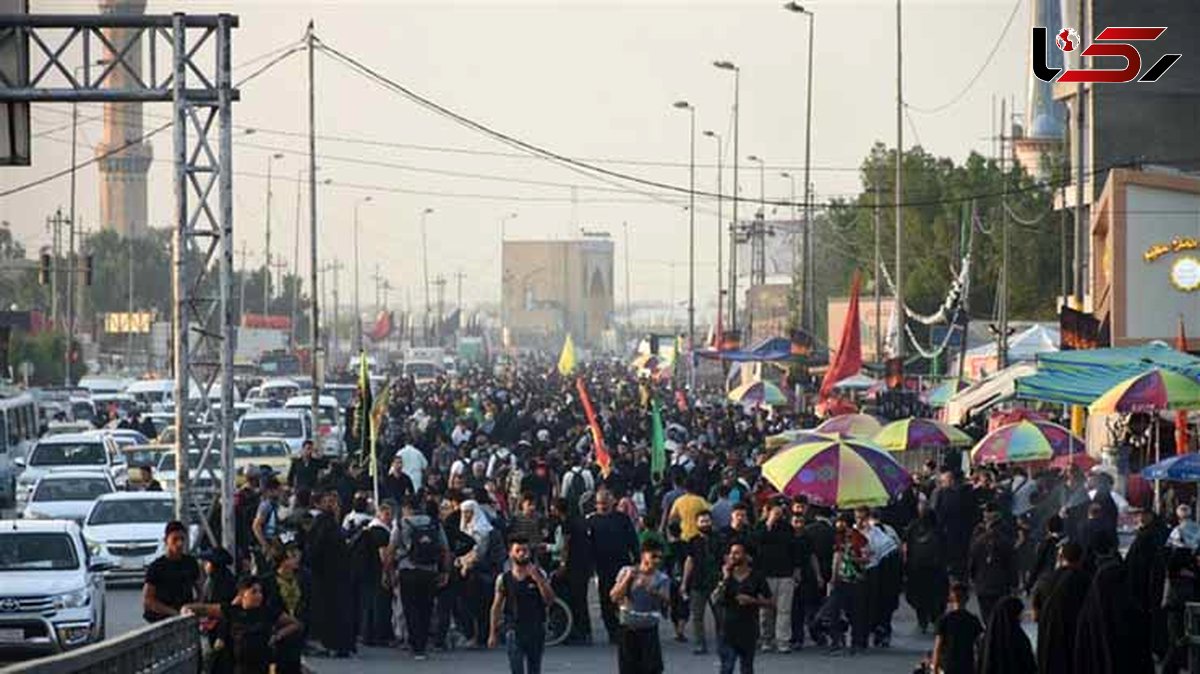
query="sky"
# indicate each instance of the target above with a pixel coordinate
(587, 79)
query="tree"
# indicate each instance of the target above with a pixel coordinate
(948, 206)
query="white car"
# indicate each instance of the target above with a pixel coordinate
(205, 486)
(329, 424)
(51, 591)
(66, 495)
(292, 426)
(126, 528)
(70, 452)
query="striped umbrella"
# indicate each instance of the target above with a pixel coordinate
(758, 393)
(918, 433)
(837, 473)
(1026, 441)
(1152, 390)
(851, 425)
(795, 436)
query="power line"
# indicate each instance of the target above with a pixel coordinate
(978, 73)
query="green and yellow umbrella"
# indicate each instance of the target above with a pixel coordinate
(918, 433)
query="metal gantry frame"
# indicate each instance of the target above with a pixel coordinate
(197, 49)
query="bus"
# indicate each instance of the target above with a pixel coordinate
(19, 430)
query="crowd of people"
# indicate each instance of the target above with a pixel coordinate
(493, 505)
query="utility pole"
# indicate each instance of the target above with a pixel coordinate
(129, 337)
(878, 278)
(1002, 344)
(901, 317)
(720, 235)
(71, 259)
(315, 329)
(295, 310)
(628, 306)
(440, 282)
(458, 277)
(336, 266)
(733, 229)
(54, 225)
(425, 260)
(242, 285)
(267, 249)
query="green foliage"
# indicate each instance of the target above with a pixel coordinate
(937, 229)
(45, 351)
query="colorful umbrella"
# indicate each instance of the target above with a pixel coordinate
(1026, 441)
(918, 433)
(795, 436)
(758, 393)
(1080, 459)
(837, 473)
(851, 426)
(940, 395)
(1154, 389)
(1182, 468)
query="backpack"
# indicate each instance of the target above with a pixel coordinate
(577, 488)
(424, 543)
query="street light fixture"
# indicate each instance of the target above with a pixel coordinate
(720, 238)
(809, 295)
(267, 258)
(358, 343)
(737, 76)
(503, 234)
(425, 262)
(684, 105)
(762, 184)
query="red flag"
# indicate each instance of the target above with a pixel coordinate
(602, 456)
(848, 359)
(1181, 417)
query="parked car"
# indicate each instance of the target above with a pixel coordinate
(292, 426)
(257, 452)
(329, 423)
(51, 592)
(205, 487)
(76, 453)
(66, 495)
(126, 528)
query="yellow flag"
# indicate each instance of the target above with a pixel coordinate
(378, 410)
(566, 361)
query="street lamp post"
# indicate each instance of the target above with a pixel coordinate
(267, 260)
(809, 317)
(762, 184)
(758, 253)
(798, 259)
(358, 342)
(720, 232)
(503, 234)
(425, 263)
(684, 105)
(737, 76)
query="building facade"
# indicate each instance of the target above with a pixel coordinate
(553, 288)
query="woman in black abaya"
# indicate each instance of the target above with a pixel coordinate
(1005, 648)
(1113, 636)
(925, 567)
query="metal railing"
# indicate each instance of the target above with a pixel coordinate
(168, 647)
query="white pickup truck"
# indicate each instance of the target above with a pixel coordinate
(51, 590)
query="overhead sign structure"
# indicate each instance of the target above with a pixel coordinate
(14, 72)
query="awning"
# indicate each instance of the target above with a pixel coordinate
(1079, 377)
(981, 395)
(773, 348)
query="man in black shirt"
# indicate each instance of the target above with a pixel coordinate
(253, 628)
(700, 571)
(774, 560)
(521, 596)
(807, 594)
(957, 633)
(171, 580)
(304, 471)
(614, 544)
(741, 593)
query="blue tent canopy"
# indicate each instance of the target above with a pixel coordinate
(1080, 377)
(771, 348)
(1185, 468)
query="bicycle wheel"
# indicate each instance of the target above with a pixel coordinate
(558, 622)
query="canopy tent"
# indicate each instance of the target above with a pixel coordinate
(1024, 346)
(857, 382)
(771, 348)
(1080, 377)
(996, 389)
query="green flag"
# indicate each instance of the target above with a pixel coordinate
(658, 443)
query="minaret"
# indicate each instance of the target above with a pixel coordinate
(1045, 118)
(123, 174)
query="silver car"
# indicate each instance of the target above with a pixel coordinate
(126, 528)
(66, 495)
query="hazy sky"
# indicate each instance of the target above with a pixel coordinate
(588, 79)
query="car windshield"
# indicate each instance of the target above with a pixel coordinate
(344, 396)
(83, 411)
(71, 489)
(68, 454)
(36, 552)
(276, 427)
(328, 414)
(142, 457)
(167, 461)
(140, 511)
(259, 450)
